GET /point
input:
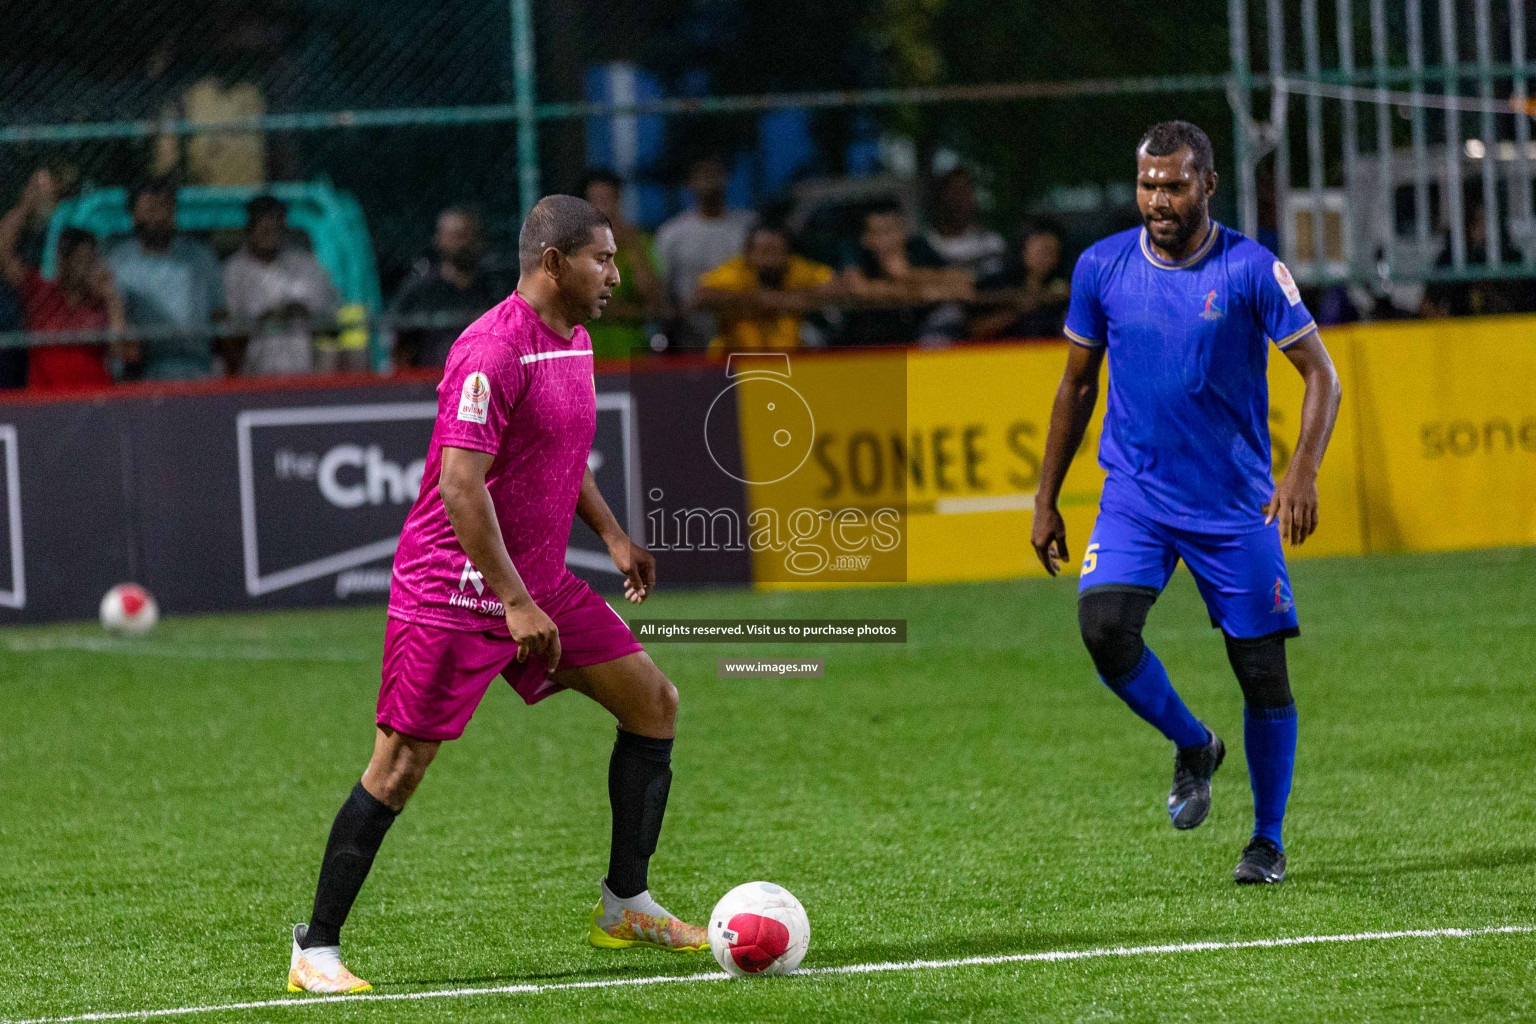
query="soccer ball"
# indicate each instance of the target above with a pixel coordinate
(129, 608)
(758, 928)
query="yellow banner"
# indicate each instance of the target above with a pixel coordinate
(979, 417)
(1447, 424)
(957, 452)
(992, 406)
(825, 459)
(1435, 446)
(1340, 528)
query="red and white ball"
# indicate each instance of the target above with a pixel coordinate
(129, 608)
(759, 928)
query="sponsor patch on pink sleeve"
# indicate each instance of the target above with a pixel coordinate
(475, 398)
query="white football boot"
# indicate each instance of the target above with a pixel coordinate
(319, 969)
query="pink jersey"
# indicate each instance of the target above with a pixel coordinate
(517, 390)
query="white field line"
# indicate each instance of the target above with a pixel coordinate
(153, 649)
(1020, 502)
(899, 965)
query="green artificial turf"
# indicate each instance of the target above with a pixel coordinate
(974, 792)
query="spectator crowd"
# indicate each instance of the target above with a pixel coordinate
(159, 305)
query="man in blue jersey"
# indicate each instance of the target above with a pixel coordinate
(1185, 310)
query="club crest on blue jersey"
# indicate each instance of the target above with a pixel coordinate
(1211, 310)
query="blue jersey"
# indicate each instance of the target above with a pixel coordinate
(1186, 431)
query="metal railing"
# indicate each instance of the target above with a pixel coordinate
(1366, 172)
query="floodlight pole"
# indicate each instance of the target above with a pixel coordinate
(523, 103)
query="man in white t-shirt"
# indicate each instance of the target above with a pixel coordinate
(277, 293)
(963, 243)
(957, 234)
(697, 241)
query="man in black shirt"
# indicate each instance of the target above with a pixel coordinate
(1034, 289)
(442, 296)
(900, 280)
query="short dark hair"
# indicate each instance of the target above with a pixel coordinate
(1041, 226)
(160, 185)
(598, 176)
(265, 206)
(768, 225)
(559, 222)
(697, 160)
(1168, 137)
(71, 239)
(955, 173)
(882, 208)
(468, 212)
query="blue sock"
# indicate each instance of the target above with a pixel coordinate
(1149, 693)
(1269, 737)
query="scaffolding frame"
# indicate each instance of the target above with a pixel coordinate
(1365, 201)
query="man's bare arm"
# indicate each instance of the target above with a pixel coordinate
(725, 302)
(637, 564)
(593, 509)
(473, 516)
(1073, 408)
(766, 301)
(37, 194)
(1295, 501)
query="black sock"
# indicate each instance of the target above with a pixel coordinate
(639, 776)
(355, 837)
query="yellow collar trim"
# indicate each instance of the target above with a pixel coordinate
(1186, 262)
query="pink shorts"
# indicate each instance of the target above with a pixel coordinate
(434, 678)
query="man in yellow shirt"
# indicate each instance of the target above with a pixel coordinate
(761, 297)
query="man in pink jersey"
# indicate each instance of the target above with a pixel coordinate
(481, 589)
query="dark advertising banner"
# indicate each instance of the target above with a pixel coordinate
(694, 514)
(232, 500)
(324, 490)
(68, 524)
(13, 578)
(288, 498)
(615, 465)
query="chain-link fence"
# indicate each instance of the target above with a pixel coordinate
(106, 93)
(370, 120)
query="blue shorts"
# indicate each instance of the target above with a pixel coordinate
(1241, 575)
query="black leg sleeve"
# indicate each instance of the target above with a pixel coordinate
(355, 837)
(639, 778)
(1111, 622)
(1259, 664)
